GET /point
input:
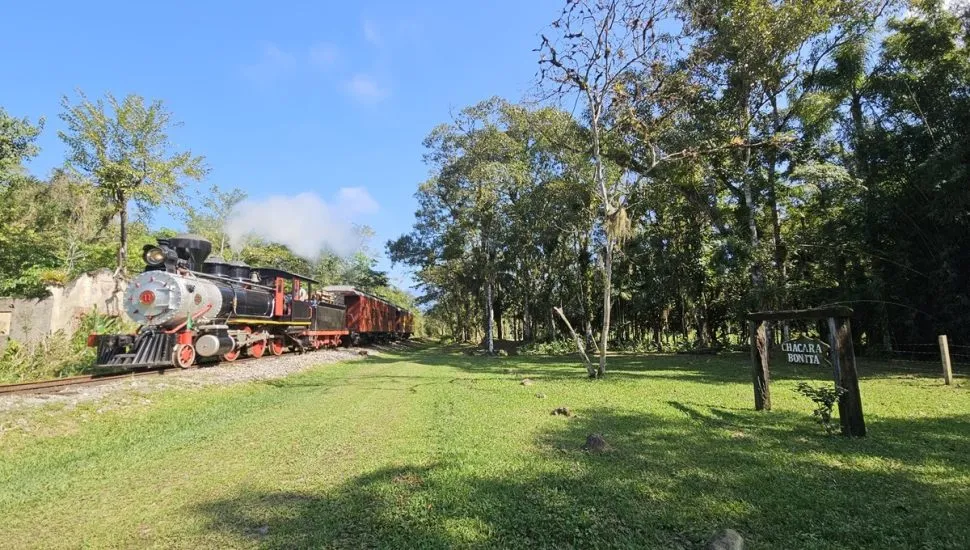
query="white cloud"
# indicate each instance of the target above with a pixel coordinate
(372, 34)
(305, 223)
(364, 87)
(356, 200)
(273, 63)
(323, 55)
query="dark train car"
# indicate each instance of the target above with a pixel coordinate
(370, 318)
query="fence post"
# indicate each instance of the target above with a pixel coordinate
(760, 353)
(945, 357)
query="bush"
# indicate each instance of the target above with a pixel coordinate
(59, 354)
(554, 347)
(825, 398)
(59, 277)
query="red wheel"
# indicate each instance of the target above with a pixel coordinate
(184, 355)
(256, 349)
(231, 356)
(276, 346)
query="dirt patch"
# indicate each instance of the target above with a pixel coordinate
(596, 444)
(409, 480)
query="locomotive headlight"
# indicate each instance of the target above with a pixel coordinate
(154, 256)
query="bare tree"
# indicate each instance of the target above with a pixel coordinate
(612, 56)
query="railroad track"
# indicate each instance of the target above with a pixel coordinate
(56, 384)
(47, 386)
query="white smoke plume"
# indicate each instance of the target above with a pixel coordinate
(305, 223)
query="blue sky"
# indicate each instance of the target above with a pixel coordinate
(281, 98)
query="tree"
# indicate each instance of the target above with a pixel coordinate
(124, 147)
(210, 220)
(616, 57)
(17, 145)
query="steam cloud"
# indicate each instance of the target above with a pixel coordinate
(305, 223)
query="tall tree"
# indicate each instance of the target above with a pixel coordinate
(124, 147)
(616, 56)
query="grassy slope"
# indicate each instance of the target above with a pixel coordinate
(431, 450)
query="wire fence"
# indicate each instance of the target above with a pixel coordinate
(924, 358)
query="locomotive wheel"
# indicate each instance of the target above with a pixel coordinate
(256, 349)
(184, 355)
(277, 346)
(231, 356)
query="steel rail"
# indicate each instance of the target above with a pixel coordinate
(42, 386)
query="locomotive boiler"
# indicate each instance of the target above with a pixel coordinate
(192, 307)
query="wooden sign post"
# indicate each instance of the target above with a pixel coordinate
(841, 353)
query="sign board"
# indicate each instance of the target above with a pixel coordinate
(805, 351)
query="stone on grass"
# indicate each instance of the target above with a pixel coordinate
(362, 352)
(596, 444)
(726, 539)
(526, 382)
(561, 411)
(541, 395)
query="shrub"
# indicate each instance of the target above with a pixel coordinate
(59, 277)
(59, 354)
(554, 347)
(825, 398)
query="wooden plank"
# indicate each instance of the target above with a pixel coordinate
(816, 313)
(945, 357)
(850, 405)
(759, 360)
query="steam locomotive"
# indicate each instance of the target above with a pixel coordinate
(194, 307)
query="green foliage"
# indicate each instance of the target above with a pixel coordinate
(798, 155)
(124, 147)
(17, 145)
(60, 354)
(209, 218)
(562, 346)
(825, 398)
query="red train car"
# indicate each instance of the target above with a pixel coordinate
(372, 319)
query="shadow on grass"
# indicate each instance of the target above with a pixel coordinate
(668, 482)
(724, 368)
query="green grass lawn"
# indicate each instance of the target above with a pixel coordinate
(431, 449)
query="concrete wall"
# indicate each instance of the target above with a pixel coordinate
(28, 321)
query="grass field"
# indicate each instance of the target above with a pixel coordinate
(437, 449)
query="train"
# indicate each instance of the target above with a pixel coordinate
(195, 307)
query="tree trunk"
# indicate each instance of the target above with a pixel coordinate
(498, 319)
(607, 301)
(123, 249)
(489, 320)
(579, 344)
(526, 319)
